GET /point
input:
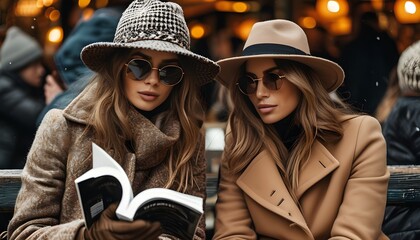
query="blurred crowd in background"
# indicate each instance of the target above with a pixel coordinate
(365, 37)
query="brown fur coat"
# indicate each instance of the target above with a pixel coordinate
(47, 206)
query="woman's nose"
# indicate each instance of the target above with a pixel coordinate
(153, 77)
(262, 91)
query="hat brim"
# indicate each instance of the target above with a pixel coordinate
(204, 69)
(330, 73)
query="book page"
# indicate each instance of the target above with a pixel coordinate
(176, 219)
(97, 191)
(101, 159)
(190, 201)
(104, 184)
(178, 213)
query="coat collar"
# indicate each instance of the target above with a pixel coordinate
(77, 110)
(320, 163)
(262, 182)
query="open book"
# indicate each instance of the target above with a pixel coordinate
(107, 182)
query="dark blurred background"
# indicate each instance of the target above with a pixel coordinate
(219, 27)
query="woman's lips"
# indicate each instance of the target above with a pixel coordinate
(148, 96)
(266, 108)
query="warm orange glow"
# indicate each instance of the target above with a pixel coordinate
(54, 15)
(101, 3)
(197, 31)
(410, 7)
(48, 11)
(377, 4)
(47, 3)
(84, 3)
(407, 11)
(307, 22)
(27, 8)
(242, 31)
(55, 35)
(223, 6)
(341, 26)
(40, 3)
(332, 8)
(239, 7)
(87, 13)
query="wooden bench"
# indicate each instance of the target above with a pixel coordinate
(9, 188)
(404, 184)
(404, 188)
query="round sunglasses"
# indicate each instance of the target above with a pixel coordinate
(139, 69)
(248, 84)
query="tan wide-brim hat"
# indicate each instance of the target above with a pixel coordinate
(153, 25)
(281, 39)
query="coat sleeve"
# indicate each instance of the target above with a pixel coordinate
(38, 205)
(362, 210)
(233, 220)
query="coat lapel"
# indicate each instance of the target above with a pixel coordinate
(262, 182)
(320, 163)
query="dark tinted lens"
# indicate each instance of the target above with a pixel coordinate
(170, 75)
(272, 81)
(247, 85)
(138, 69)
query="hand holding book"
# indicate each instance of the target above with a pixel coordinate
(109, 227)
(107, 183)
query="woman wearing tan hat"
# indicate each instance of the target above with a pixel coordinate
(296, 165)
(135, 108)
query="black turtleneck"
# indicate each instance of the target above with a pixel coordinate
(288, 131)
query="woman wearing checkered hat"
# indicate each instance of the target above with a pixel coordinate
(142, 107)
(296, 164)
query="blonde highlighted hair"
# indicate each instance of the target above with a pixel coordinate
(316, 113)
(109, 118)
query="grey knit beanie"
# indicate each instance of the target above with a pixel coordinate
(408, 68)
(18, 50)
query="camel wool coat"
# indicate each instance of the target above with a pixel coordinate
(342, 191)
(47, 206)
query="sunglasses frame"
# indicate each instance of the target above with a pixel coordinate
(280, 77)
(151, 69)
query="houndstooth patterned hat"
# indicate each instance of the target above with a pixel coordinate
(154, 25)
(408, 68)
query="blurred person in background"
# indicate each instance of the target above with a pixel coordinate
(392, 93)
(69, 67)
(321, 43)
(21, 95)
(367, 61)
(402, 127)
(402, 133)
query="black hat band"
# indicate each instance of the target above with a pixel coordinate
(271, 48)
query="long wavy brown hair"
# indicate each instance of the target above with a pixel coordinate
(316, 113)
(110, 124)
